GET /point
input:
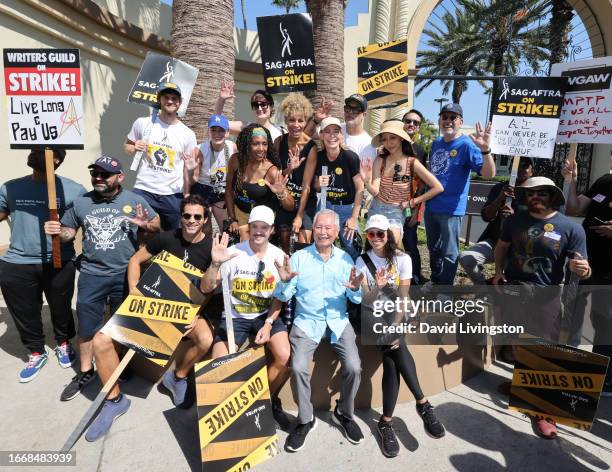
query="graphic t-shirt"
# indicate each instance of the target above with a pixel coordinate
(214, 165)
(600, 247)
(251, 298)
(400, 269)
(161, 171)
(294, 185)
(452, 163)
(25, 200)
(341, 188)
(109, 239)
(539, 248)
(361, 144)
(195, 254)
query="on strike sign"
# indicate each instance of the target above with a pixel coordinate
(43, 88)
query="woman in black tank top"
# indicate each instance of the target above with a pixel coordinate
(292, 149)
(253, 178)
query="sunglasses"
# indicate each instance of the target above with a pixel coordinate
(539, 193)
(348, 109)
(262, 105)
(260, 268)
(446, 117)
(372, 233)
(102, 174)
(412, 122)
(188, 216)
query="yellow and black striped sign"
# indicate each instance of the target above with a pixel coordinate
(557, 382)
(153, 320)
(382, 73)
(235, 419)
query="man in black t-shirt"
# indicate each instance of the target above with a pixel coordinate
(596, 204)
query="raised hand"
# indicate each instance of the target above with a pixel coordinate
(381, 277)
(482, 137)
(350, 227)
(570, 170)
(284, 270)
(294, 160)
(191, 159)
(219, 252)
(227, 89)
(354, 279)
(279, 183)
(324, 109)
(365, 170)
(140, 218)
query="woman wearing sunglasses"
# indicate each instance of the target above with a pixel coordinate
(262, 105)
(254, 178)
(388, 270)
(292, 149)
(392, 178)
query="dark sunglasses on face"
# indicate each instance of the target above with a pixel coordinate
(262, 105)
(539, 193)
(102, 174)
(188, 216)
(445, 117)
(412, 122)
(260, 268)
(372, 233)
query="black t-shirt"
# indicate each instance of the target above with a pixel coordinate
(600, 247)
(540, 248)
(294, 185)
(341, 188)
(493, 229)
(198, 254)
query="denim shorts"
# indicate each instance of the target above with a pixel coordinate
(243, 328)
(394, 213)
(207, 193)
(92, 295)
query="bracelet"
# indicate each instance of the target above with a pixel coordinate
(282, 196)
(488, 151)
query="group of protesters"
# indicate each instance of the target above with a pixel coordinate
(309, 182)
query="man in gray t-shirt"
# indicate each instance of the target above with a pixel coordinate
(110, 218)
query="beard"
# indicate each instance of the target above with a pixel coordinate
(536, 206)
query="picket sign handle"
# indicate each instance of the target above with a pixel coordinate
(97, 402)
(515, 166)
(571, 157)
(53, 215)
(323, 189)
(138, 156)
(227, 307)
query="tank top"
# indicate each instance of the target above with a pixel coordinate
(294, 185)
(395, 189)
(250, 195)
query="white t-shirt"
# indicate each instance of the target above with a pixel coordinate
(361, 144)
(249, 298)
(401, 268)
(214, 165)
(161, 172)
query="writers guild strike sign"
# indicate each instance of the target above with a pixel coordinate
(235, 421)
(287, 52)
(382, 73)
(158, 68)
(526, 115)
(153, 319)
(557, 382)
(43, 89)
(586, 116)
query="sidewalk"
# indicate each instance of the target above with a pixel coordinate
(482, 435)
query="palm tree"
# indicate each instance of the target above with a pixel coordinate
(243, 10)
(286, 4)
(328, 29)
(560, 25)
(203, 36)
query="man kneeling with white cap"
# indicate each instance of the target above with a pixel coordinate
(253, 276)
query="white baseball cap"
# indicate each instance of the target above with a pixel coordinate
(330, 120)
(378, 222)
(262, 213)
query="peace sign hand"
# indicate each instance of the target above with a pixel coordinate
(482, 137)
(284, 270)
(324, 110)
(140, 218)
(381, 277)
(354, 280)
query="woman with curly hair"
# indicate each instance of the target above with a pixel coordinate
(292, 149)
(254, 178)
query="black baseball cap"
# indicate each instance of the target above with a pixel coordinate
(107, 163)
(359, 99)
(171, 86)
(452, 108)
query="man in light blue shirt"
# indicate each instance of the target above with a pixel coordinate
(322, 277)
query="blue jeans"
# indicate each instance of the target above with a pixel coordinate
(344, 213)
(443, 244)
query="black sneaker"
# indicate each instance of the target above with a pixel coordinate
(295, 441)
(351, 431)
(77, 384)
(280, 416)
(432, 424)
(388, 441)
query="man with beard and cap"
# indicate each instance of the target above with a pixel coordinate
(26, 270)
(531, 254)
(109, 218)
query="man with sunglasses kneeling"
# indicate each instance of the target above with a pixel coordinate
(109, 218)
(252, 279)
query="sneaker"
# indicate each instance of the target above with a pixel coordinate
(176, 387)
(281, 418)
(77, 384)
(388, 441)
(545, 428)
(351, 430)
(297, 438)
(65, 354)
(36, 361)
(432, 424)
(109, 413)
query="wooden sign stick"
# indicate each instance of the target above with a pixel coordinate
(514, 172)
(97, 402)
(571, 157)
(53, 215)
(227, 307)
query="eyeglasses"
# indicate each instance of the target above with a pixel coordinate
(349, 109)
(372, 233)
(260, 268)
(102, 174)
(445, 117)
(539, 193)
(188, 216)
(262, 105)
(412, 122)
